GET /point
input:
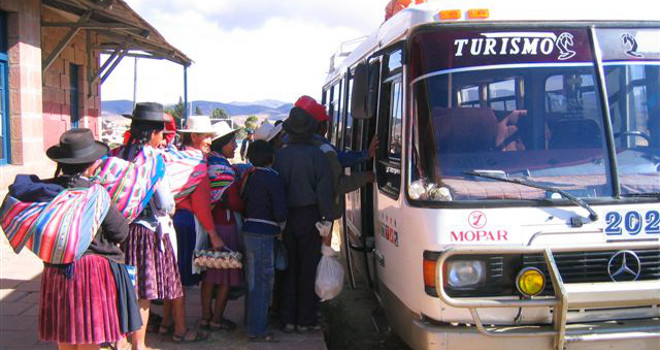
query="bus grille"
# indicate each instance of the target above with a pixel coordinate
(591, 266)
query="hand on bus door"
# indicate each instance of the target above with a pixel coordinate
(371, 176)
(373, 146)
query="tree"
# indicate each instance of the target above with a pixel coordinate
(219, 113)
(251, 122)
(177, 111)
(198, 111)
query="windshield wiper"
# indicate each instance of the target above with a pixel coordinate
(642, 195)
(575, 221)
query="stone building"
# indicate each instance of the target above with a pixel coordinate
(51, 71)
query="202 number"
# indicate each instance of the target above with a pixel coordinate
(632, 223)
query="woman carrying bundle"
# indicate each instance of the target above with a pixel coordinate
(82, 302)
(191, 186)
(148, 246)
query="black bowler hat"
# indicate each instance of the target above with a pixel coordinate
(77, 146)
(300, 124)
(147, 112)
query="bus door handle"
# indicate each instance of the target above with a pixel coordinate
(379, 258)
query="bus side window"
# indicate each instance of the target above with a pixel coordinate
(335, 126)
(390, 133)
(348, 128)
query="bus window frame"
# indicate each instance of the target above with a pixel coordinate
(599, 84)
(335, 109)
(346, 112)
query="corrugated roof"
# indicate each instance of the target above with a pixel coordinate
(120, 27)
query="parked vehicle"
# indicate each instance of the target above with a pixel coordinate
(517, 201)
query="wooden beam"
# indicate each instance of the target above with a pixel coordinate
(143, 44)
(113, 66)
(63, 43)
(90, 25)
(105, 65)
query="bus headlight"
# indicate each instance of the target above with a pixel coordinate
(465, 273)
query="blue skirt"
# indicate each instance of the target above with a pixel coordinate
(184, 225)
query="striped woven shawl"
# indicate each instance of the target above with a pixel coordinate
(59, 231)
(185, 170)
(221, 176)
(131, 184)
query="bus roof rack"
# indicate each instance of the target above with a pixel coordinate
(345, 49)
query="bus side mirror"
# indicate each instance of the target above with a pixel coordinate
(365, 90)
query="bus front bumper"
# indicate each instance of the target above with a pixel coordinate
(560, 334)
(633, 334)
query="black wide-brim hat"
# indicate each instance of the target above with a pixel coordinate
(77, 146)
(148, 112)
(300, 124)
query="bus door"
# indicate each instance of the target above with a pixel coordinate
(389, 124)
(358, 223)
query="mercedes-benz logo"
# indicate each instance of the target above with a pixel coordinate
(624, 266)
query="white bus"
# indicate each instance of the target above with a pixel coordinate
(518, 179)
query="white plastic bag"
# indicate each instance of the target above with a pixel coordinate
(329, 275)
(324, 227)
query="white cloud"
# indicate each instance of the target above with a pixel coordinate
(279, 49)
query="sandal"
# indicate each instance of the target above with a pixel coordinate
(266, 338)
(288, 328)
(205, 324)
(304, 329)
(184, 338)
(224, 324)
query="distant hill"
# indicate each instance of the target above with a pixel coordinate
(274, 109)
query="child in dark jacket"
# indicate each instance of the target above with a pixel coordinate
(265, 215)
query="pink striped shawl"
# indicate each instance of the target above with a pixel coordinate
(185, 170)
(131, 184)
(59, 231)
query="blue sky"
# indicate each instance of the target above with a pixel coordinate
(244, 50)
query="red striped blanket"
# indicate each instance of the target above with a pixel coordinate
(59, 231)
(185, 170)
(131, 184)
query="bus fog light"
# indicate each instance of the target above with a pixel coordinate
(530, 281)
(465, 273)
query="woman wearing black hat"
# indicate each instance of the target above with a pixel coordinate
(79, 302)
(147, 247)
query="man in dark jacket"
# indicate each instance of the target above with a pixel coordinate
(310, 196)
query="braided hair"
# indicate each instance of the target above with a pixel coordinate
(69, 174)
(141, 133)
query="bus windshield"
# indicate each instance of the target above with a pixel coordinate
(527, 105)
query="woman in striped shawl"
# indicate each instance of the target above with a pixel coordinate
(193, 201)
(226, 201)
(148, 246)
(82, 304)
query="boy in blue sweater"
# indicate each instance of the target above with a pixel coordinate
(265, 215)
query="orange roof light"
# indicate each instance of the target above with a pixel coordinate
(449, 15)
(417, 2)
(478, 14)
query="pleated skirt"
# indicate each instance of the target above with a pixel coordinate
(157, 273)
(81, 308)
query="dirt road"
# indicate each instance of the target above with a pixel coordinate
(349, 321)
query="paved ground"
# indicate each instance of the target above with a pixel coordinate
(19, 297)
